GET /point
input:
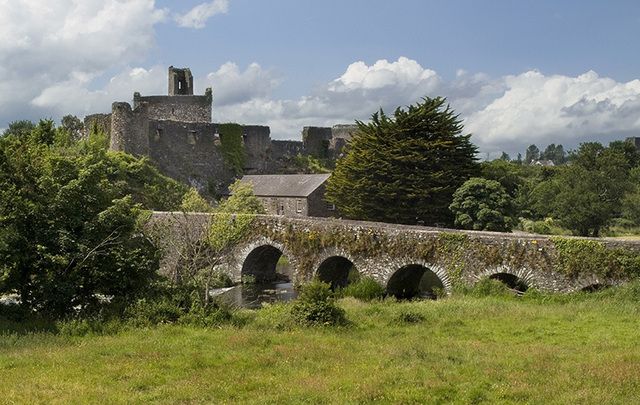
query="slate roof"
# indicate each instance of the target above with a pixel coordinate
(285, 185)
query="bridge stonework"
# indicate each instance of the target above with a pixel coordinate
(383, 251)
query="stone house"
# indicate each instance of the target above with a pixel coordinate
(292, 195)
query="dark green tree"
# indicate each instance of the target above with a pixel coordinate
(631, 200)
(532, 154)
(586, 195)
(482, 205)
(508, 174)
(72, 125)
(70, 228)
(404, 168)
(19, 128)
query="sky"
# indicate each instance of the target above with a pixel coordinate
(517, 72)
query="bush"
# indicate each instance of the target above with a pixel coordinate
(181, 305)
(488, 287)
(365, 289)
(316, 306)
(192, 201)
(154, 311)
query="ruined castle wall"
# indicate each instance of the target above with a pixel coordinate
(257, 147)
(316, 141)
(176, 108)
(129, 129)
(286, 149)
(190, 153)
(101, 121)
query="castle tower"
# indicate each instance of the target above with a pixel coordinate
(180, 82)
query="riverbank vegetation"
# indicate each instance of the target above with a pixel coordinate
(481, 346)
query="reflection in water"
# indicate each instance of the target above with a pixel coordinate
(253, 295)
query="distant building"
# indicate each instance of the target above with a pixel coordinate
(292, 195)
(545, 163)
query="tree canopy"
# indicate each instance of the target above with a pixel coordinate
(482, 205)
(404, 168)
(70, 217)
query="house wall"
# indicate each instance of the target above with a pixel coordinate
(318, 207)
(289, 205)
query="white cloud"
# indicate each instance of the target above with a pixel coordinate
(73, 96)
(231, 86)
(60, 46)
(505, 113)
(402, 73)
(197, 17)
(544, 109)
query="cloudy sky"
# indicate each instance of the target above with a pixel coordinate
(517, 72)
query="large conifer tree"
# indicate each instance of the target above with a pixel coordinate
(405, 168)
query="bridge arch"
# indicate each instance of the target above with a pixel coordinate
(520, 279)
(418, 280)
(593, 284)
(336, 267)
(259, 260)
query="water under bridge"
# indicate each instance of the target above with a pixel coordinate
(407, 260)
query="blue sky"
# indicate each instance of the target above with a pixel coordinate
(518, 72)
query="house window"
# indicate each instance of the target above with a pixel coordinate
(298, 206)
(331, 207)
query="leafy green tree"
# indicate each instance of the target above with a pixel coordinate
(72, 125)
(482, 205)
(194, 202)
(586, 195)
(504, 156)
(518, 160)
(68, 234)
(631, 200)
(555, 153)
(631, 153)
(508, 174)
(20, 128)
(404, 168)
(532, 154)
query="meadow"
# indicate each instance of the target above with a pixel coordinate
(580, 348)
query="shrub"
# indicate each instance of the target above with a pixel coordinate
(316, 306)
(192, 201)
(181, 304)
(488, 287)
(213, 314)
(150, 311)
(365, 289)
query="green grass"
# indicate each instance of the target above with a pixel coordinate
(536, 349)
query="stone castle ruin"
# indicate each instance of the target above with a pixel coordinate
(176, 133)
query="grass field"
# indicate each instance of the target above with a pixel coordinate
(565, 350)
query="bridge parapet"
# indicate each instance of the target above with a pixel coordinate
(380, 250)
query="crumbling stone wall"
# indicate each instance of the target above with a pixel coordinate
(257, 148)
(189, 153)
(180, 81)
(129, 129)
(176, 108)
(316, 141)
(101, 121)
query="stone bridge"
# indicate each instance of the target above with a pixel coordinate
(408, 260)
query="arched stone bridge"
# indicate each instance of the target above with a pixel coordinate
(408, 260)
